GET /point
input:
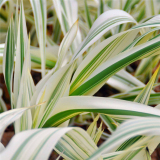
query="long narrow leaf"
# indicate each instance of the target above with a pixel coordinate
(111, 107)
(35, 144)
(129, 129)
(8, 57)
(40, 15)
(22, 45)
(107, 69)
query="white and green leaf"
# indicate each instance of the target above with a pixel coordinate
(40, 15)
(21, 50)
(8, 57)
(112, 107)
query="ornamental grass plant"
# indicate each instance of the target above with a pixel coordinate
(79, 47)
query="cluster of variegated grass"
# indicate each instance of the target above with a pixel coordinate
(71, 78)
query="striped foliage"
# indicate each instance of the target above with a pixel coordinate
(40, 15)
(8, 57)
(143, 97)
(90, 45)
(129, 129)
(43, 139)
(67, 14)
(21, 49)
(115, 108)
(71, 136)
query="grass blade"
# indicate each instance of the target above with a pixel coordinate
(40, 15)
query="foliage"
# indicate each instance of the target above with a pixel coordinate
(91, 45)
